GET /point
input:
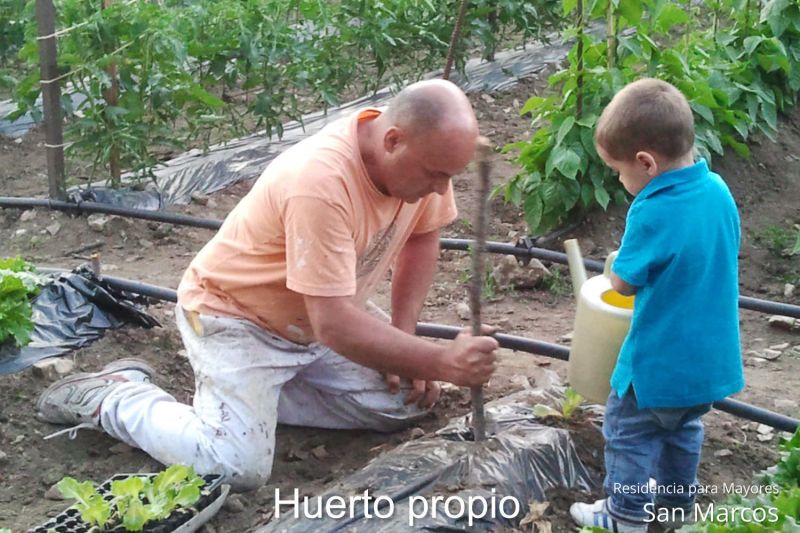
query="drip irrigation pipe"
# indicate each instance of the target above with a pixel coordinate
(523, 250)
(512, 342)
(96, 207)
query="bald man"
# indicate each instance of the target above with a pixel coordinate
(274, 311)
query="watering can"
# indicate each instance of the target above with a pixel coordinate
(602, 320)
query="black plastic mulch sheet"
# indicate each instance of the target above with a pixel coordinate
(72, 311)
(421, 485)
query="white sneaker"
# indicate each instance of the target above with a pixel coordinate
(596, 515)
(76, 399)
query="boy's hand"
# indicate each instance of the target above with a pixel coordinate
(622, 286)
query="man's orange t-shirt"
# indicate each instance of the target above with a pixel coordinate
(313, 224)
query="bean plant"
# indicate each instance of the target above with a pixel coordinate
(738, 73)
(159, 76)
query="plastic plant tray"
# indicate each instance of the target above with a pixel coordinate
(213, 496)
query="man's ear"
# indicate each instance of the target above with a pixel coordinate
(648, 163)
(392, 138)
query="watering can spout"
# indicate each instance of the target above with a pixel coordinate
(576, 269)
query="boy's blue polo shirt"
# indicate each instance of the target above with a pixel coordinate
(680, 251)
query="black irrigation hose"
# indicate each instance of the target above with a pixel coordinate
(519, 250)
(512, 342)
(96, 207)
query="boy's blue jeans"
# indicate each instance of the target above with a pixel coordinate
(663, 443)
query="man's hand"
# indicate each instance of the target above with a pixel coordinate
(425, 393)
(469, 361)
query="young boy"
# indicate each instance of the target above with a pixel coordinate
(679, 256)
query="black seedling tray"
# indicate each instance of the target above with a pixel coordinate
(213, 495)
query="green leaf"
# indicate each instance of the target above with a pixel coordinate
(534, 208)
(566, 161)
(602, 197)
(564, 129)
(136, 516)
(568, 6)
(670, 15)
(545, 411)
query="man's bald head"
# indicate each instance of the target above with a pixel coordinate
(432, 105)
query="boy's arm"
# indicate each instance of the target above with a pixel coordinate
(622, 286)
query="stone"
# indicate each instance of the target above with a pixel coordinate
(764, 429)
(3, 456)
(765, 437)
(788, 290)
(509, 273)
(782, 346)
(54, 494)
(52, 368)
(53, 228)
(723, 453)
(145, 244)
(319, 452)
(770, 355)
(783, 322)
(27, 215)
(199, 198)
(234, 504)
(163, 230)
(416, 433)
(785, 403)
(97, 222)
(463, 311)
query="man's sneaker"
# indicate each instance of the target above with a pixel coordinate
(596, 515)
(76, 399)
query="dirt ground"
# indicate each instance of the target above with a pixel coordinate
(767, 191)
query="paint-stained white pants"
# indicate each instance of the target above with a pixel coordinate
(247, 380)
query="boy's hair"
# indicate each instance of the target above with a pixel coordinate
(650, 115)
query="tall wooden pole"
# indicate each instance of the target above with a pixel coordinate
(476, 283)
(111, 96)
(51, 98)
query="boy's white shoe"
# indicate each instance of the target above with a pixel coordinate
(596, 515)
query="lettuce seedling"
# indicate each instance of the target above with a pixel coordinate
(93, 508)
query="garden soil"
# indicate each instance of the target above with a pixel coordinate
(767, 191)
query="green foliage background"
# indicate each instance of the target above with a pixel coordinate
(736, 61)
(186, 67)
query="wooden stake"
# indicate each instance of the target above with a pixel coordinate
(111, 96)
(51, 98)
(476, 286)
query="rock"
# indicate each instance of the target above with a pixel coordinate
(782, 346)
(771, 355)
(509, 273)
(182, 353)
(319, 452)
(211, 204)
(97, 221)
(566, 338)
(765, 437)
(54, 494)
(120, 448)
(463, 311)
(52, 368)
(145, 244)
(764, 429)
(783, 322)
(416, 433)
(53, 228)
(20, 232)
(27, 215)
(199, 198)
(234, 504)
(755, 361)
(723, 453)
(785, 403)
(788, 290)
(163, 230)
(3, 456)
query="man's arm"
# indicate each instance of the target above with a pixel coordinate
(467, 361)
(411, 279)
